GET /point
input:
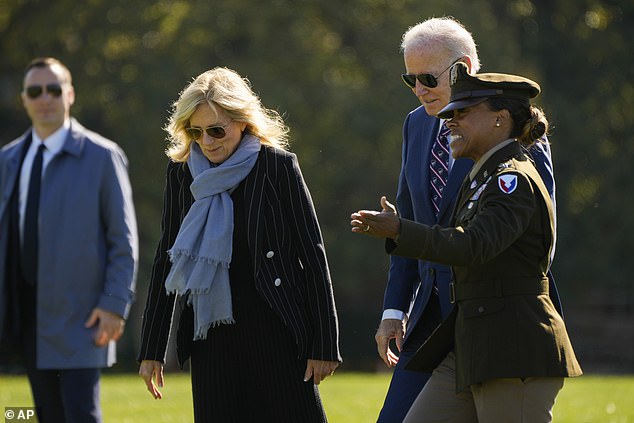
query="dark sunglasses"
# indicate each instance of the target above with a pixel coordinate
(34, 91)
(427, 79)
(215, 131)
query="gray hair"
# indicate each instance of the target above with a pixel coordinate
(446, 32)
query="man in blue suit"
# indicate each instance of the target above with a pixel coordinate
(417, 294)
(68, 248)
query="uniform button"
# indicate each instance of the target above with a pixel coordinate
(480, 309)
(270, 254)
(278, 282)
(432, 272)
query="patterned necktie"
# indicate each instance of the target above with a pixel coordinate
(439, 167)
(31, 213)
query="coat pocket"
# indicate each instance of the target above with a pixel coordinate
(482, 307)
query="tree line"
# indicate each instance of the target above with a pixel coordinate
(332, 68)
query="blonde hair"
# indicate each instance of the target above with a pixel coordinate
(225, 89)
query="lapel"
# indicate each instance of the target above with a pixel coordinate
(11, 171)
(59, 170)
(253, 198)
(421, 133)
(72, 145)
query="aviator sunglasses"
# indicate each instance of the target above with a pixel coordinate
(34, 91)
(427, 79)
(214, 131)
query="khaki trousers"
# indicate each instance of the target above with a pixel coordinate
(516, 400)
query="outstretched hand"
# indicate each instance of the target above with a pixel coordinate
(383, 224)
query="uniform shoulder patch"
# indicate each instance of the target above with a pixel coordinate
(507, 183)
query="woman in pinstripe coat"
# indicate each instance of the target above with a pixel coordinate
(242, 255)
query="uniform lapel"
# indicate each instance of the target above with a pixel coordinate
(484, 173)
(463, 194)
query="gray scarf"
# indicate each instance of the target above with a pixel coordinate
(201, 253)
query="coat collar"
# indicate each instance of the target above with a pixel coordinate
(76, 139)
(502, 155)
(74, 145)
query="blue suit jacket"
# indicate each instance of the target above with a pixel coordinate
(88, 245)
(412, 281)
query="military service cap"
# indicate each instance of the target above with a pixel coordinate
(468, 90)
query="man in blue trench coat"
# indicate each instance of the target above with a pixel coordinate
(68, 248)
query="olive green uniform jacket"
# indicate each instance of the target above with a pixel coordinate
(504, 324)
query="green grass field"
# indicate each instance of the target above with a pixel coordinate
(347, 397)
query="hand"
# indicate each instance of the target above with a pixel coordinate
(383, 224)
(151, 371)
(110, 326)
(389, 329)
(319, 370)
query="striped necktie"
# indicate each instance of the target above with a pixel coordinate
(439, 167)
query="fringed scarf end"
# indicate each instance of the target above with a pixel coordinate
(201, 332)
(176, 254)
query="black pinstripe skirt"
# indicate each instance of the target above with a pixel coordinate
(249, 371)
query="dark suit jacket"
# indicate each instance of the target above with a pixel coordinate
(505, 324)
(413, 203)
(294, 280)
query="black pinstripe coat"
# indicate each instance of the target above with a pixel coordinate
(286, 245)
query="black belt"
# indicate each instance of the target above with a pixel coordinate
(497, 288)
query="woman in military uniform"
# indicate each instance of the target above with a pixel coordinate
(504, 349)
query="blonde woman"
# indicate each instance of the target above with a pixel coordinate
(241, 252)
